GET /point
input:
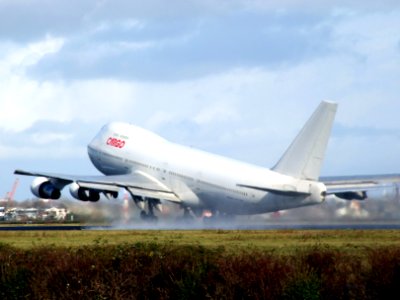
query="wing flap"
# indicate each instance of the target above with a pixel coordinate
(170, 196)
(98, 186)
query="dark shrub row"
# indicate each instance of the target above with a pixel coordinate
(153, 271)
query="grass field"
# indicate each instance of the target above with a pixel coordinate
(200, 264)
(285, 241)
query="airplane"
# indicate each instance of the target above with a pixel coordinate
(153, 170)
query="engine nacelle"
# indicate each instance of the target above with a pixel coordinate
(361, 195)
(83, 194)
(139, 201)
(43, 188)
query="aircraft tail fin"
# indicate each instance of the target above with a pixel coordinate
(303, 159)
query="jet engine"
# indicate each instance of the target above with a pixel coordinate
(361, 195)
(42, 187)
(84, 194)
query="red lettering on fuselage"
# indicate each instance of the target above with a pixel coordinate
(117, 143)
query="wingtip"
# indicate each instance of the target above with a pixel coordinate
(21, 172)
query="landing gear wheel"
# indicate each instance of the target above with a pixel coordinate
(143, 215)
(150, 216)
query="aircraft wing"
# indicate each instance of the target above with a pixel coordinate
(137, 183)
(356, 187)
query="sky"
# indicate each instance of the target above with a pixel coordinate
(234, 77)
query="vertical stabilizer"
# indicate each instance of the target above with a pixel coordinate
(303, 159)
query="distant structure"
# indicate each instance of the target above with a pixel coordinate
(7, 201)
(9, 198)
(17, 214)
(2, 213)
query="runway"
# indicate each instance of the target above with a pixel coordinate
(346, 226)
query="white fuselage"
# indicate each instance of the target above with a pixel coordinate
(200, 179)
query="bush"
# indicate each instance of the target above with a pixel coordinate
(161, 271)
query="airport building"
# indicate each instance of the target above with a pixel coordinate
(17, 214)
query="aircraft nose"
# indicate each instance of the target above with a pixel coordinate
(95, 144)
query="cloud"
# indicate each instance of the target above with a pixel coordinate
(134, 41)
(27, 21)
(25, 100)
(219, 112)
(316, 6)
(55, 153)
(184, 48)
(238, 78)
(17, 59)
(43, 138)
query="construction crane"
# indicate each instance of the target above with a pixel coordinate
(10, 195)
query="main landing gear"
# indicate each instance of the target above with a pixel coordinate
(187, 214)
(152, 204)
